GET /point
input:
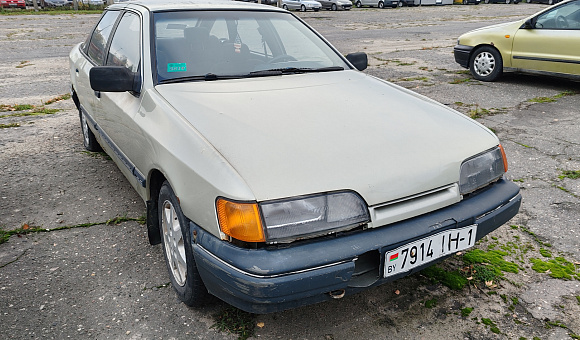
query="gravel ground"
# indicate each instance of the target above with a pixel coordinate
(106, 282)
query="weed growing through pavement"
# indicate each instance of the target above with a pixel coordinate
(235, 321)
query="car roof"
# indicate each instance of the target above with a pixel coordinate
(169, 5)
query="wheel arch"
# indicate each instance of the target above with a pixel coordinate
(155, 181)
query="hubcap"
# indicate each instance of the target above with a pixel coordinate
(174, 243)
(484, 64)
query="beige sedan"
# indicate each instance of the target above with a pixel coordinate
(275, 173)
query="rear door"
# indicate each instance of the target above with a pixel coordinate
(553, 44)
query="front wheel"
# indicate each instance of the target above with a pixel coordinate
(381, 4)
(285, 7)
(358, 4)
(177, 249)
(302, 8)
(333, 7)
(486, 64)
(89, 140)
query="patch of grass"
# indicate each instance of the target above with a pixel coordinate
(578, 298)
(415, 78)
(492, 326)
(542, 100)
(65, 96)
(550, 324)
(466, 311)
(10, 125)
(558, 268)
(236, 322)
(572, 174)
(37, 111)
(16, 107)
(553, 98)
(453, 280)
(460, 80)
(24, 63)
(494, 258)
(536, 238)
(545, 252)
(482, 273)
(520, 180)
(431, 303)
(26, 229)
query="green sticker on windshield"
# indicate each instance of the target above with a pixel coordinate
(176, 67)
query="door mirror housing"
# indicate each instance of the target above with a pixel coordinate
(528, 24)
(114, 79)
(358, 60)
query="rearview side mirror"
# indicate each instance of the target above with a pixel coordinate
(114, 79)
(528, 24)
(358, 60)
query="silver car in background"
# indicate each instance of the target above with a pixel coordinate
(335, 5)
(302, 5)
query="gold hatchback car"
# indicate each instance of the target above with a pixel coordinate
(547, 42)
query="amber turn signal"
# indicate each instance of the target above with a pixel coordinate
(240, 220)
(505, 164)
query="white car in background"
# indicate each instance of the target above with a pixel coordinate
(335, 5)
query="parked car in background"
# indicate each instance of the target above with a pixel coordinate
(55, 3)
(13, 4)
(302, 5)
(549, 2)
(501, 1)
(269, 205)
(547, 42)
(377, 3)
(335, 5)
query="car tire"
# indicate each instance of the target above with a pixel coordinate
(486, 1)
(333, 7)
(302, 8)
(400, 4)
(466, 2)
(529, 1)
(381, 4)
(176, 241)
(486, 64)
(358, 4)
(550, 2)
(285, 7)
(507, 2)
(89, 140)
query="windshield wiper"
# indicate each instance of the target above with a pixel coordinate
(286, 70)
(207, 77)
(262, 73)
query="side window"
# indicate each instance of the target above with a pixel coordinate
(100, 36)
(124, 50)
(562, 17)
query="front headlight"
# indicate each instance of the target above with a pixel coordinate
(291, 219)
(287, 220)
(482, 169)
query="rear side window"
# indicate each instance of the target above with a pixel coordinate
(124, 50)
(100, 36)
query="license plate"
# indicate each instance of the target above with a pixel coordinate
(417, 253)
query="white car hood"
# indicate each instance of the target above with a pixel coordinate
(301, 134)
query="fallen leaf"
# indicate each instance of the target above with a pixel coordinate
(25, 227)
(260, 324)
(397, 292)
(470, 278)
(489, 283)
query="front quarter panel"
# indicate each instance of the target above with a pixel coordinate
(196, 171)
(499, 36)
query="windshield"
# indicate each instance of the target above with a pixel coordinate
(210, 45)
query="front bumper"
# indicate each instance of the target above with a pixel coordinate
(462, 54)
(282, 277)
